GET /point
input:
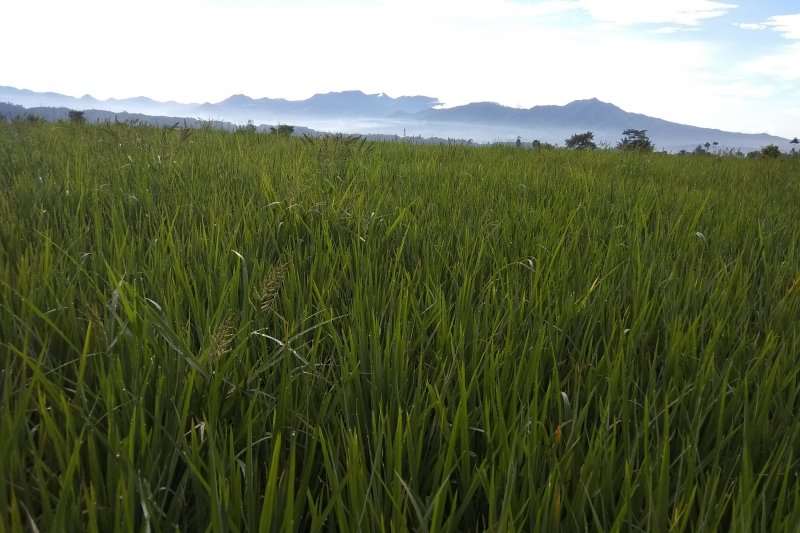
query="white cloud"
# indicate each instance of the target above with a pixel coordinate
(479, 11)
(631, 12)
(751, 26)
(788, 25)
(780, 65)
(673, 29)
(793, 111)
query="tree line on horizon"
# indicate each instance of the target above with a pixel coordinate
(633, 140)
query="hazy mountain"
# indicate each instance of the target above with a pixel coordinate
(555, 123)
(414, 116)
(347, 104)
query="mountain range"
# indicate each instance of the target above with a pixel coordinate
(414, 116)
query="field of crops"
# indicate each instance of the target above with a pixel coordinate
(219, 331)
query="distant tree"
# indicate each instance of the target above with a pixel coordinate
(581, 141)
(76, 117)
(519, 142)
(795, 141)
(284, 130)
(539, 145)
(699, 150)
(707, 145)
(771, 151)
(767, 152)
(250, 127)
(635, 140)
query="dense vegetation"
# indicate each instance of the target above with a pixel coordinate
(206, 330)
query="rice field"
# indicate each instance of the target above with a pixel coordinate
(209, 331)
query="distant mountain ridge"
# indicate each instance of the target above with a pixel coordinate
(358, 112)
(340, 104)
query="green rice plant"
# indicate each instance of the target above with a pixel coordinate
(209, 331)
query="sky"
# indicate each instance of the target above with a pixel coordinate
(732, 65)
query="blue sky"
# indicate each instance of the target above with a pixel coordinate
(732, 65)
